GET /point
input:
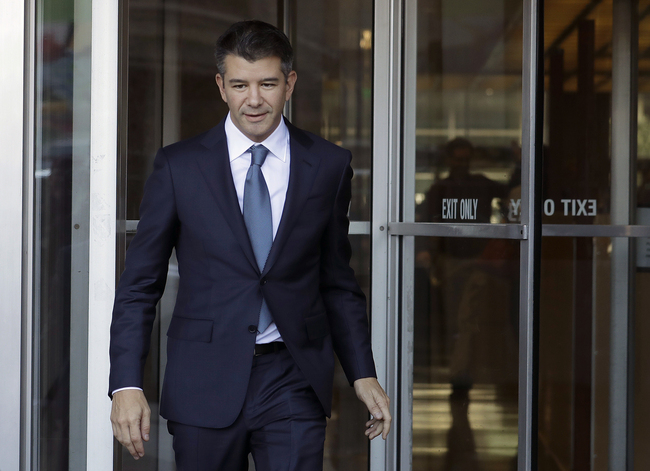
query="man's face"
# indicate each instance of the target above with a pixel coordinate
(255, 93)
(460, 160)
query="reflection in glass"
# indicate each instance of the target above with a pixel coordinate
(574, 339)
(578, 91)
(333, 96)
(466, 304)
(172, 95)
(463, 196)
(61, 183)
(468, 111)
(346, 447)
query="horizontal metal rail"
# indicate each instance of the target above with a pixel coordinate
(514, 231)
(487, 231)
(356, 227)
(443, 229)
(593, 230)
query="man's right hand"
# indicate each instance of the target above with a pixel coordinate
(130, 417)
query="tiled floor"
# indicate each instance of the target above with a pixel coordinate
(473, 430)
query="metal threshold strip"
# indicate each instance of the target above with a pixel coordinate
(514, 231)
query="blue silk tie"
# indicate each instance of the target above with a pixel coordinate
(258, 219)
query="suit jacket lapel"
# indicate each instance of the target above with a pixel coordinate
(304, 167)
(215, 168)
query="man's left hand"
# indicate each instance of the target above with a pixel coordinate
(376, 400)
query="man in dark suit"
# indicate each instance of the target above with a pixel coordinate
(257, 212)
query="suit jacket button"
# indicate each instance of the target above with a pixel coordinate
(263, 281)
(252, 329)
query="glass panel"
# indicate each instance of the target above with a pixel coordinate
(577, 125)
(61, 216)
(346, 447)
(574, 339)
(642, 294)
(578, 95)
(333, 97)
(574, 369)
(465, 366)
(468, 110)
(172, 95)
(641, 369)
(643, 130)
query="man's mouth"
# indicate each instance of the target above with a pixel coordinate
(255, 117)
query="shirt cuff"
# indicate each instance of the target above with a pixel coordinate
(128, 387)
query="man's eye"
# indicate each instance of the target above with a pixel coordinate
(238, 87)
(268, 85)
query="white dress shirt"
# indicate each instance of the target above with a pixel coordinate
(276, 173)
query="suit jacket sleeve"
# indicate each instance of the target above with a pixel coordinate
(143, 281)
(343, 298)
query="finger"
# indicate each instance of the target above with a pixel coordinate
(136, 438)
(116, 431)
(373, 428)
(371, 422)
(387, 423)
(145, 427)
(114, 424)
(375, 431)
(125, 439)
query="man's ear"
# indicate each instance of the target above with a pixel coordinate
(291, 83)
(219, 79)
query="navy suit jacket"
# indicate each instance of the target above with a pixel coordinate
(190, 204)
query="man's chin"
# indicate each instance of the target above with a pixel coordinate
(259, 131)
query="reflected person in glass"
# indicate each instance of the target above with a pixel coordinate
(257, 212)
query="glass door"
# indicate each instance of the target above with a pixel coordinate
(460, 239)
(593, 261)
(515, 234)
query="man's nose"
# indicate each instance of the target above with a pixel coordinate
(254, 96)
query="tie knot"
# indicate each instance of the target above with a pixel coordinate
(258, 153)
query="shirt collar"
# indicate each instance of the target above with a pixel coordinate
(238, 143)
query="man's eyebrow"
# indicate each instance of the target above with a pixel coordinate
(269, 79)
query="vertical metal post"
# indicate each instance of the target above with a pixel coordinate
(171, 86)
(287, 22)
(407, 321)
(624, 98)
(385, 176)
(532, 87)
(27, 340)
(122, 158)
(12, 54)
(583, 256)
(103, 213)
(79, 233)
